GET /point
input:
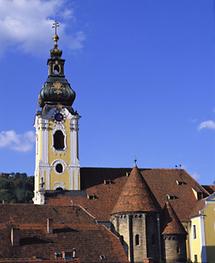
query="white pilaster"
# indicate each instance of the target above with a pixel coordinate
(75, 164)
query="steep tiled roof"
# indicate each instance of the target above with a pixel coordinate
(172, 224)
(92, 176)
(70, 227)
(38, 214)
(176, 183)
(105, 197)
(197, 208)
(135, 196)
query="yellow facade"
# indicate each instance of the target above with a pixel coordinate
(195, 240)
(49, 156)
(209, 212)
(55, 155)
(203, 246)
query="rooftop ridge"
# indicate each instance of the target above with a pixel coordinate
(128, 168)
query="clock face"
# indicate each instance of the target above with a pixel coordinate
(58, 116)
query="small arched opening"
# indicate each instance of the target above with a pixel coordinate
(59, 140)
(56, 70)
(59, 189)
(178, 248)
(137, 240)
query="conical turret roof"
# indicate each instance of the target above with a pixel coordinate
(136, 195)
(172, 224)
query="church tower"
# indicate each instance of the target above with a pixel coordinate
(57, 161)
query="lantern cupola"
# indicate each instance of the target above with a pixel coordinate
(56, 90)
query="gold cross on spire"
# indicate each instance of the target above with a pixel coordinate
(55, 26)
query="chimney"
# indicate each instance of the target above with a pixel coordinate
(73, 253)
(14, 237)
(102, 257)
(58, 255)
(49, 228)
(69, 254)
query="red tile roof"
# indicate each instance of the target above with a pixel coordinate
(70, 227)
(172, 224)
(135, 196)
(174, 182)
(197, 208)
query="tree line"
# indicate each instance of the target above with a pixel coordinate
(16, 188)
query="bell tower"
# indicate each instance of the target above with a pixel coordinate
(57, 161)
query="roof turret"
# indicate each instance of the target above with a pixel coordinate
(136, 195)
(172, 224)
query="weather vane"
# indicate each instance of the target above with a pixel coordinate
(135, 161)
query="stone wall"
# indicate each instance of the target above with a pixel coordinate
(140, 236)
(175, 248)
(153, 237)
(139, 229)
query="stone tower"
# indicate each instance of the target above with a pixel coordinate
(57, 161)
(136, 219)
(174, 236)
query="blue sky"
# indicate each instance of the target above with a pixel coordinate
(143, 72)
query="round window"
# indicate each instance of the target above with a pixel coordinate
(59, 168)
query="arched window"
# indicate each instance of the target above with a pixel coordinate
(178, 248)
(59, 140)
(137, 240)
(56, 70)
(59, 189)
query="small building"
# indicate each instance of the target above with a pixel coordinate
(202, 230)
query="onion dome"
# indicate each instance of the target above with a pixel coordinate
(136, 195)
(56, 90)
(172, 224)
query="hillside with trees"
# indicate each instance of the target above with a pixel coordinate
(16, 188)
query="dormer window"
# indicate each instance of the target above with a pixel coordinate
(171, 197)
(178, 182)
(198, 195)
(108, 182)
(92, 197)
